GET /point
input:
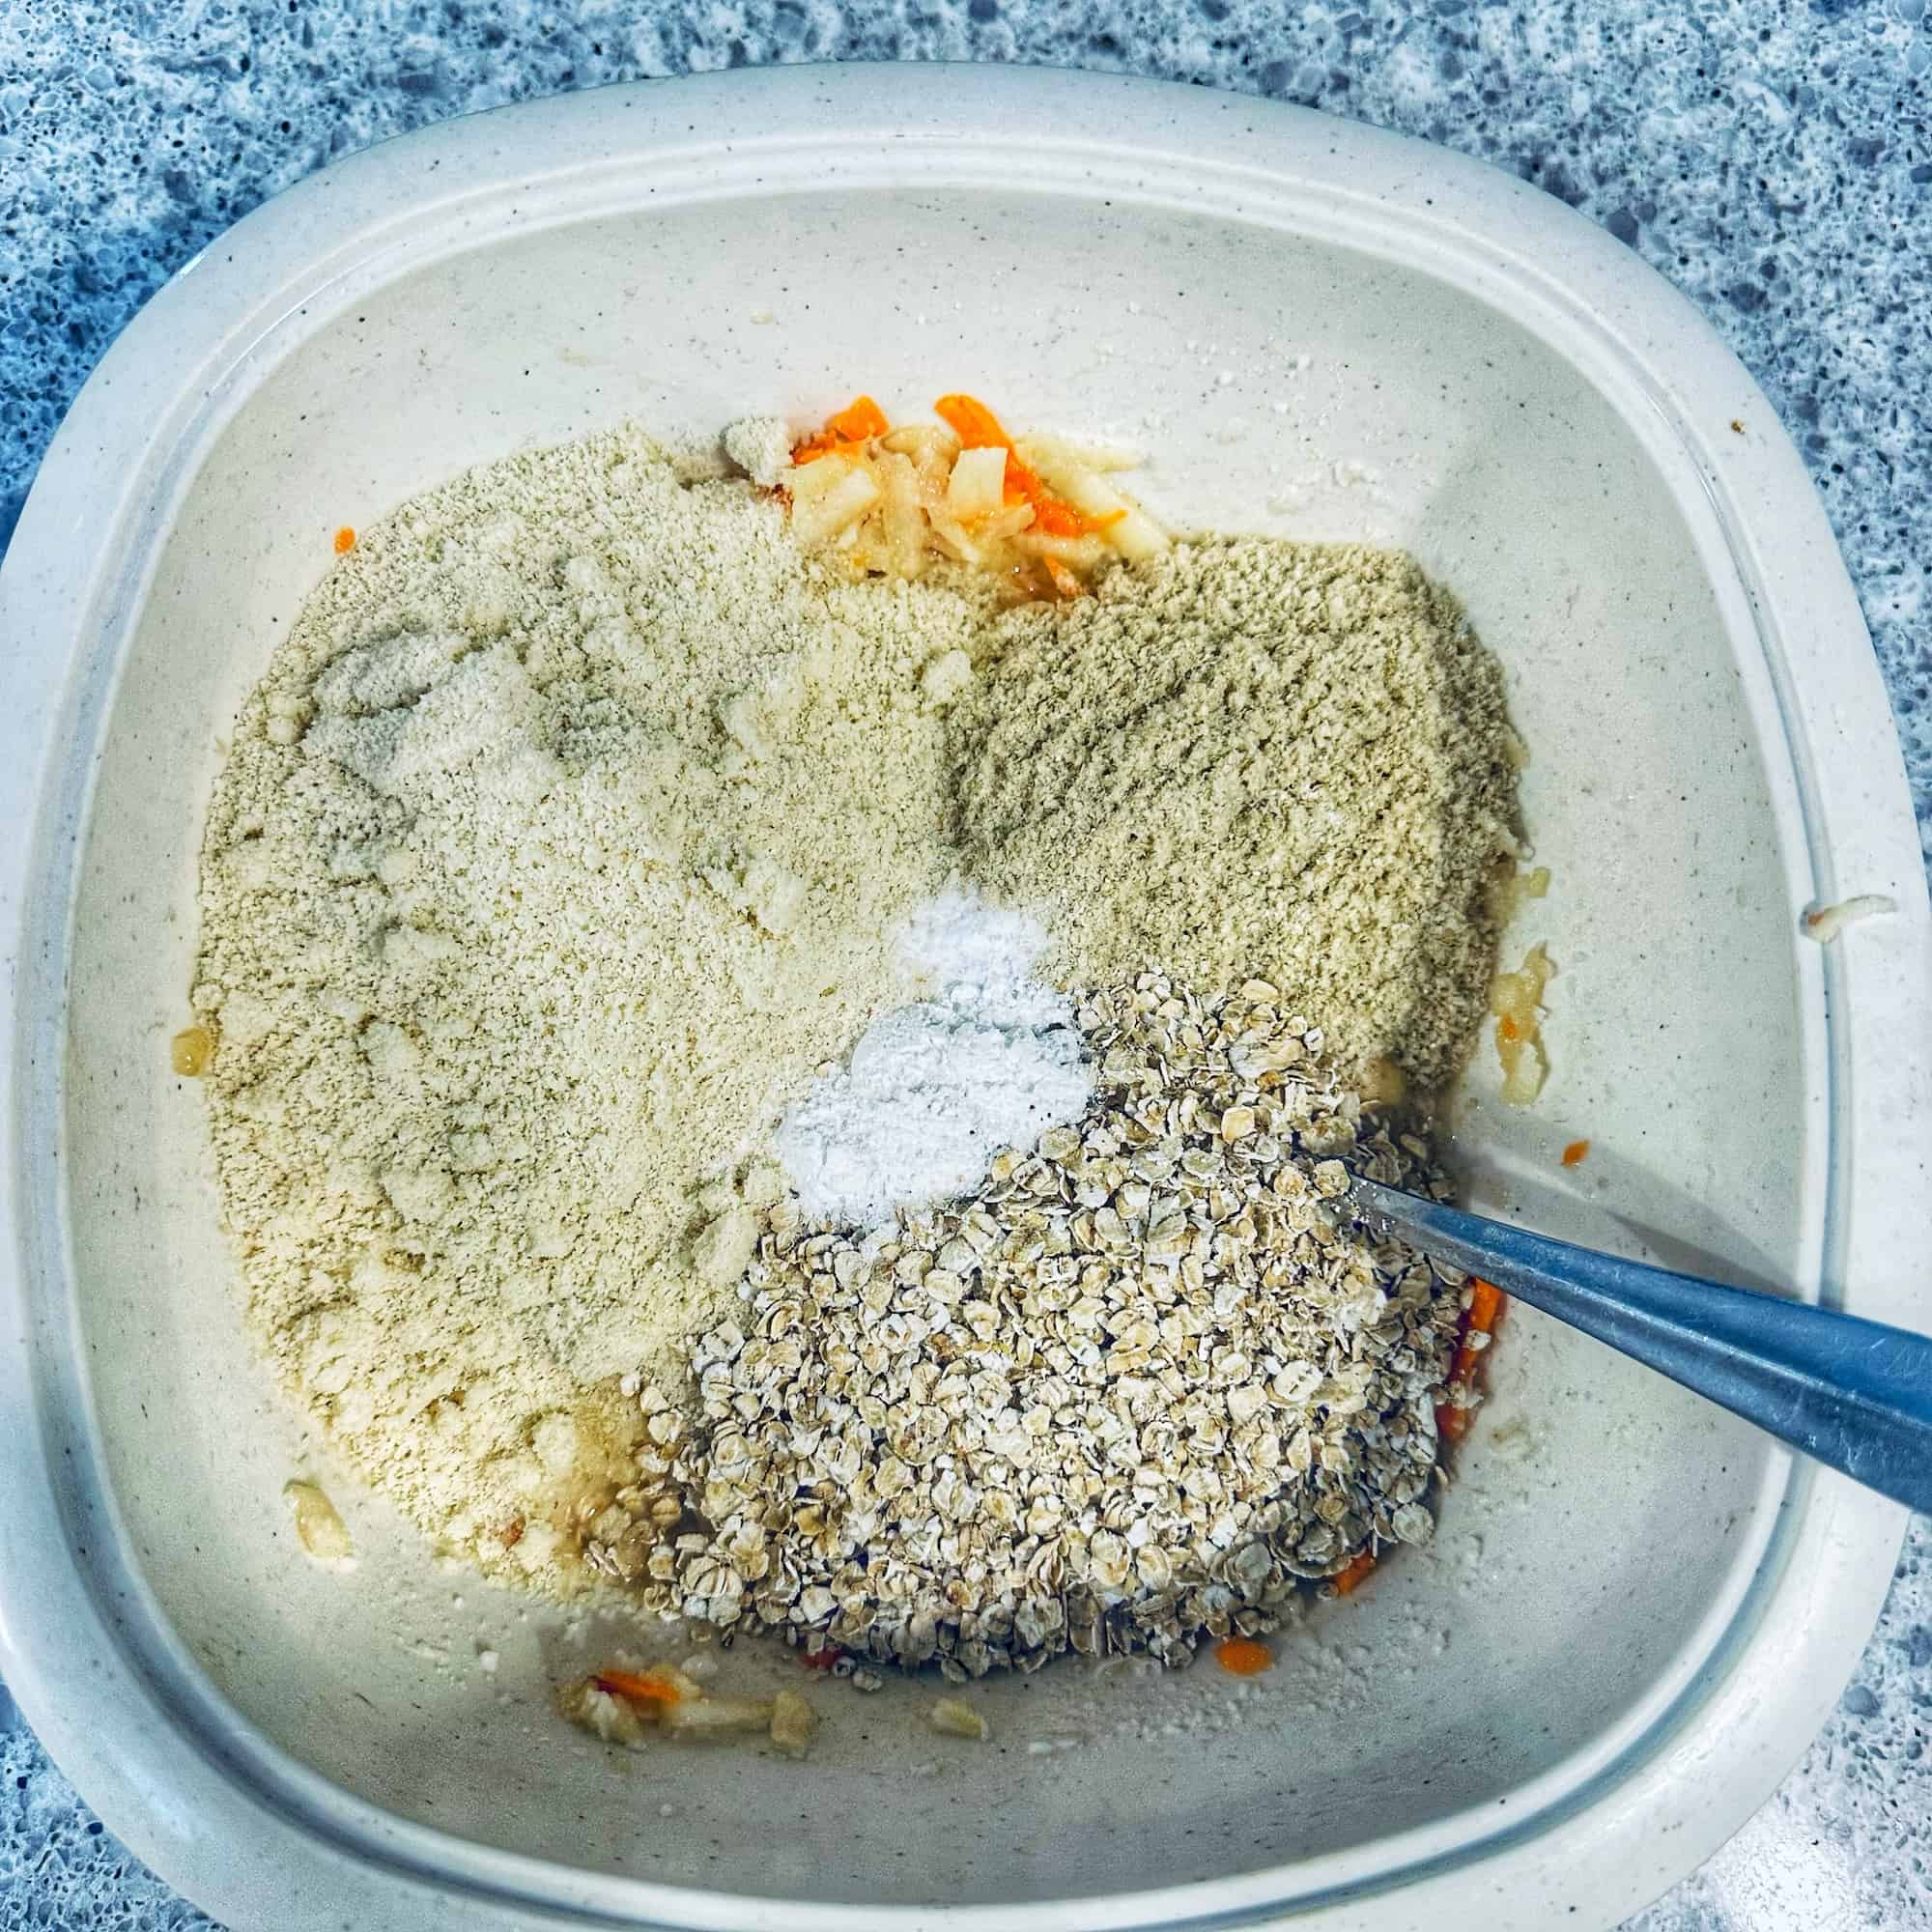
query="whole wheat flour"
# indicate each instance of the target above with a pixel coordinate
(561, 843)
(1290, 760)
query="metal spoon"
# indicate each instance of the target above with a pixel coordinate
(1854, 1393)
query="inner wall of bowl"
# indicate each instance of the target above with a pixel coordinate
(1277, 385)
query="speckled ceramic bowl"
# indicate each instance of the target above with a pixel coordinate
(1635, 1613)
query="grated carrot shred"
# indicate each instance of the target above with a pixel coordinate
(858, 421)
(1352, 1572)
(1243, 1657)
(1486, 1305)
(978, 428)
(1063, 579)
(647, 1687)
(849, 432)
(969, 419)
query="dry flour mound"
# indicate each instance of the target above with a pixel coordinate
(1255, 757)
(562, 841)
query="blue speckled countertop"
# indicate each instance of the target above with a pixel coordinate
(1774, 160)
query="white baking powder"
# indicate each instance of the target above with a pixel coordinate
(933, 1090)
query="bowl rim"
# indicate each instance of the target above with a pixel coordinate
(85, 1646)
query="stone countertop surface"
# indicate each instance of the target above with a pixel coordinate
(1774, 162)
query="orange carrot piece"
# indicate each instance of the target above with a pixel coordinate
(1022, 486)
(1485, 1305)
(1063, 579)
(345, 541)
(1243, 1657)
(1575, 1152)
(645, 1688)
(1352, 1572)
(975, 425)
(1054, 519)
(1507, 1028)
(858, 421)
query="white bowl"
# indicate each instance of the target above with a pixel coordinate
(1636, 1612)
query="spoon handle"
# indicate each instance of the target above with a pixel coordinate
(1854, 1393)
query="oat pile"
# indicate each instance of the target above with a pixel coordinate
(1128, 1393)
(1255, 757)
(562, 841)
